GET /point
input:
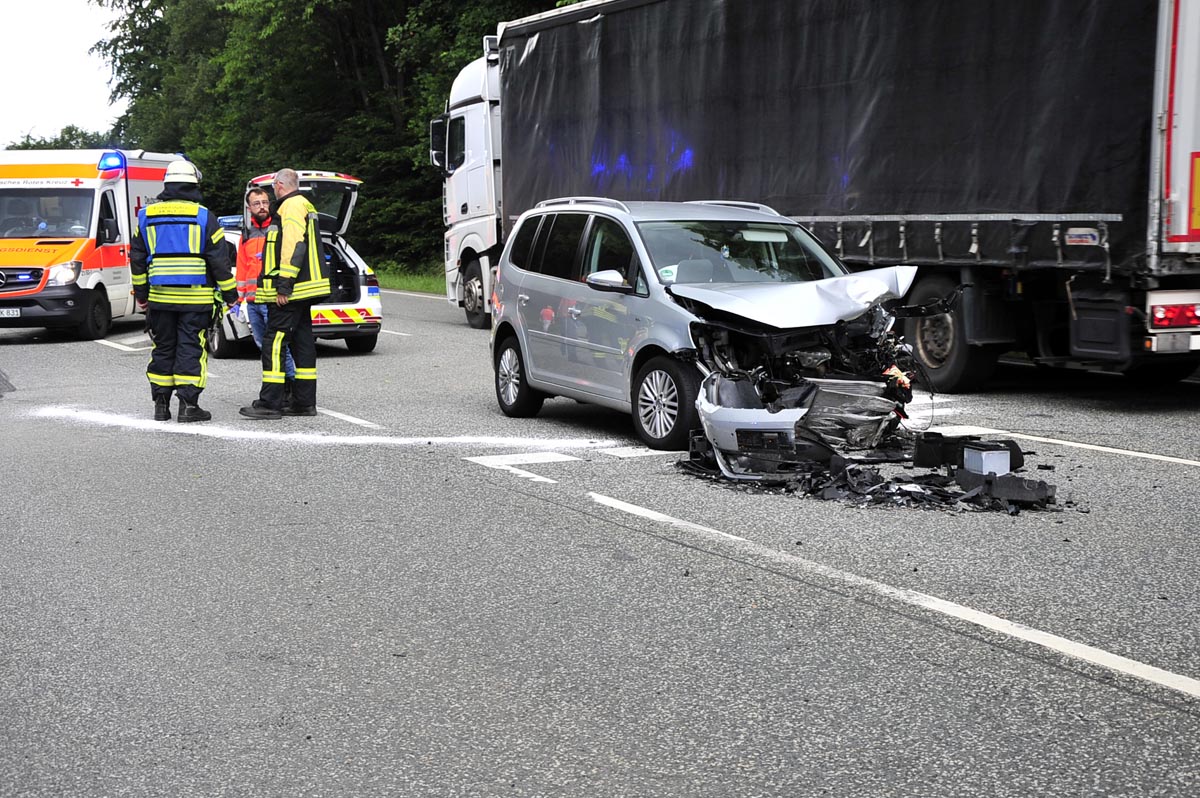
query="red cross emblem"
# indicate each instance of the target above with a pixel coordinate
(77, 182)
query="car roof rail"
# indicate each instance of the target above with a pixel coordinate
(621, 206)
(750, 206)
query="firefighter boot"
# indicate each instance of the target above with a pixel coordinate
(162, 408)
(190, 411)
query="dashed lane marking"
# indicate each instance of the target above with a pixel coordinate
(438, 297)
(1162, 458)
(507, 462)
(1019, 631)
(360, 422)
(634, 451)
(393, 332)
(248, 430)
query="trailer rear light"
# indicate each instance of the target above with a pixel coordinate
(1162, 316)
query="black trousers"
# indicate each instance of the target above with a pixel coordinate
(179, 361)
(289, 326)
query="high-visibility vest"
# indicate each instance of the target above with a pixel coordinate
(306, 268)
(174, 234)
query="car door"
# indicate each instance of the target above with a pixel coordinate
(547, 296)
(112, 245)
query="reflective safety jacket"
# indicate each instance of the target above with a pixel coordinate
(178, 255)
(250, 259)
(294, 257)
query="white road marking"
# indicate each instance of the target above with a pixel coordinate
(123, 347)
(634, 451)
(1019, 631)
(360, 422)
(248, 430)
(393, 332)
(966, 430)
(506, 462)
(439, 297)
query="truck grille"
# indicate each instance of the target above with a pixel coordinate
(19, 279)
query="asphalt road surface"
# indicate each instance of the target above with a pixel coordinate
(411, 594)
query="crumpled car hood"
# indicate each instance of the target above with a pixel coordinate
(812, 304)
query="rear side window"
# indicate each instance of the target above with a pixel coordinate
(561, 249)
(523, 243)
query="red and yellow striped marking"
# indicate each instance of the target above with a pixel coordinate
(345, 316)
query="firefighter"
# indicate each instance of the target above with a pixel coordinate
(178, 262)
(294, 276)
(249, 267)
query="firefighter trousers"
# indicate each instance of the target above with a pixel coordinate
(179, 360)
(289, 327)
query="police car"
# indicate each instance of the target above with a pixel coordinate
(354, 310)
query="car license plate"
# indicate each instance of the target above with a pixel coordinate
(10, 313)
(1174, 342)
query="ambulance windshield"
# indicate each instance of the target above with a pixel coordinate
(45, 212)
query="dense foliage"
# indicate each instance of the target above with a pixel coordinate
(247, 86)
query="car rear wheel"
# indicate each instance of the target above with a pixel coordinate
(220, 346)
(513, 393)
(473, 299)
(664, 403)
(362, 343)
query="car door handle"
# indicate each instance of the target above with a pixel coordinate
(463, 209)
(523, 299)
(574, 312)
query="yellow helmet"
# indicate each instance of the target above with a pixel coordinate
(182, 172)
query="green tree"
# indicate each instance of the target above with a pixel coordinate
(69, 138)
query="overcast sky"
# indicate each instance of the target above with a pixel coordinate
(49, 79)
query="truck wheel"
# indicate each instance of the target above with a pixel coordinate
(473, 299)
(664, 403)
(513, 393)
(219, 345)
(362, 343)
(940, 343)
(97, 318)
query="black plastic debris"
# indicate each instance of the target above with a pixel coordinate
(849, 479)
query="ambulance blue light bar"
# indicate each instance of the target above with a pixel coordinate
(111, 160)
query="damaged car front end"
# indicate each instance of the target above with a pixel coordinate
(800, 372)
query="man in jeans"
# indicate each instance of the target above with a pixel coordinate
(249, 266)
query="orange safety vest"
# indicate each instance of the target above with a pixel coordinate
(250, 260)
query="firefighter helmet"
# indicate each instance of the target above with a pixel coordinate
(182, 172)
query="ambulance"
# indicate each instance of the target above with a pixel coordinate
(66, 221)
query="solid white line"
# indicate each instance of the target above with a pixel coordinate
(440, 297)
(360, 422)
(248, 430)
(1162, 458)
(635, 451)
(393, 332)
(1062, 645)
(122, 347)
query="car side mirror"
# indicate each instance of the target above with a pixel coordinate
(609, 280)
(108, 232)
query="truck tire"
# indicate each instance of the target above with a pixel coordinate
(473, 299)
(950, 364)
(97, 317)
(664, 403)
(513, 393)
(219, 345)
(362, 343)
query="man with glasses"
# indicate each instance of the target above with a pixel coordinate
(249, 266)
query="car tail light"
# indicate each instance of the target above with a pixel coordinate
(1174, 316)
(372, 280)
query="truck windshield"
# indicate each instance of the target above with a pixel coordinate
(735, 252)
(42, 212)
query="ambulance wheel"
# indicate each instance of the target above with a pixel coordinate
(951, 365)
(473, 299)
(362, 343)
(97, 317)
(219, 344)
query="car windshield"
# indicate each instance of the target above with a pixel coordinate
(41, 212)
(735, 252)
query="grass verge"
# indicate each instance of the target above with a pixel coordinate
(421, 283)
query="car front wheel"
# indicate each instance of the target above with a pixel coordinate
(513, 393)
(664, 403)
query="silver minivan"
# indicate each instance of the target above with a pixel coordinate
(632, 305)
